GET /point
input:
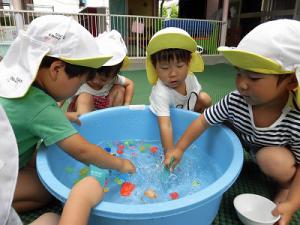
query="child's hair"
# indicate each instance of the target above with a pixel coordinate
(71, 70)
(171, 54)
(110, 70)
(282, 77)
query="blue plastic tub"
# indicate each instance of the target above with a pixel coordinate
(137, 122)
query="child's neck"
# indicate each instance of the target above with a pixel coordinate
(266, 114)
(181, 89)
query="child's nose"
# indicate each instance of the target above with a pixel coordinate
(173, 72)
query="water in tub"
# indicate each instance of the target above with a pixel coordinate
(152, 182)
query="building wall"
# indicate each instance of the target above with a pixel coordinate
(117, 7)
(140, 7)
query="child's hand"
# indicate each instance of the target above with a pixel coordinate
(73, 117)
(172, 158)
(127, 166)
(285, 210)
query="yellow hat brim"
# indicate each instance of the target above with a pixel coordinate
(171, 40)
(95, 63)
(252, 61)
(196, 65)
(126, 63)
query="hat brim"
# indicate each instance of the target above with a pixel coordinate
(171, 40)
(95, 62)
(196, 65)
(126, 63)
(251, 61)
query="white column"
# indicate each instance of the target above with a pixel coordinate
(224, 21)
(18, 16)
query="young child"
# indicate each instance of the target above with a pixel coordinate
(108, 88)
(171, 58)
(263, 110)
(44, 65)
(83, 196)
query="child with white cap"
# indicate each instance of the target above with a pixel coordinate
(46, 64)
(84, 195)
(108, 88)
(172, 58)
(264, 110)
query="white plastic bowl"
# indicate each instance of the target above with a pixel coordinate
(254, 209)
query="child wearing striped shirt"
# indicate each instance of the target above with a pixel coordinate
(264, 110)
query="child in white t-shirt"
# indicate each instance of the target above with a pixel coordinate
(108, 88)
(172, 58)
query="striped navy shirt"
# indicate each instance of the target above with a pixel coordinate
(285, 131)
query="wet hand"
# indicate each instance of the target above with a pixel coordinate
(172, 158)
(127, 166)
(285, 210)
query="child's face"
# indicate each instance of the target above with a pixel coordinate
(65, 87)
(172, 73)
(259, 89)
(99, 81)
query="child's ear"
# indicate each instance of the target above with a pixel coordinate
(293, 83)
(56, 68)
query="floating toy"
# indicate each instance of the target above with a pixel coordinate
(99, 174)
(127, 189)
(174, 195)
(121, 146)
(150, 193)
(120, 151)
(153, 149)
(108, 149)
(84, 171)
(118, 181)
(196, 183)
(142, 148)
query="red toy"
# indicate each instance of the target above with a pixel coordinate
(127, 188)
(120, 151)
(153, 149)
(174, 195)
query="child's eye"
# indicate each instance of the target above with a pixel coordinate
(255, 78)
(164, 67)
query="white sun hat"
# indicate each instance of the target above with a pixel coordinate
(172, 37)
(270, 48)
(112, 43)
(52, 35)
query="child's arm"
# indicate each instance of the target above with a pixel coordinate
(83, 196)
(89, 153)
(85, 103)
(287, 208)
(195, 129)
(73, 117)
(166, 133)
(129, 91)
